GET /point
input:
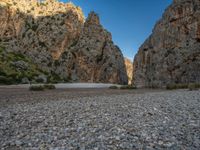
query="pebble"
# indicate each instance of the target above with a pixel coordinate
(157, 120)
(18, 143)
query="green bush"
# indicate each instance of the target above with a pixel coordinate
(128, 87)
(6, 80)
(197, 85)
(36, 88)
(14, 75)
(54, 78)
(193, 86)
(176, 86)
(42, 87)
(39, 80)
(57, 63)
(171, 87)
(49, 86)
(190, 86)
(113, 87)
(182, 86)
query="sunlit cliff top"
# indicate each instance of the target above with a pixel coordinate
(42, 8)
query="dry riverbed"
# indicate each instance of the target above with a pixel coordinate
(84, 119)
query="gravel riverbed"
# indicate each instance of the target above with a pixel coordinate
(133, 120)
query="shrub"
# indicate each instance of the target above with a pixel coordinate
(57, 63)
(54, 78)
(74, 43)
(16, 66)
(192, 86)
(39, 80)
(6, 80)
(129, 87)
(182, 86)
(42, 44)
(34, 27)
(197, 85)
(36, 88)
(49, 86)
(154, 86)
(113, 87)
(171, 87)
(176, 86)
(2, 73)
(42, 87)
(1, 48)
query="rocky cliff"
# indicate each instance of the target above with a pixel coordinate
(172, 53)
(58, 40)
(129, 69)
(94, 57)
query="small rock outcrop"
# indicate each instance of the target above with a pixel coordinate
(129, 69)
(60, 42)
(172, 53)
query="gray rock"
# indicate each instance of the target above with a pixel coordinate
(20, 65)
(171, 54)
(94, 57)
(25, 80)
(66, 120)
(18, 143)
(41, 79)
(63, 44)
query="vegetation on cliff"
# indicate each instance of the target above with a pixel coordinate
(57, 43)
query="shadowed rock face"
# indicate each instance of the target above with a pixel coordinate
(60, 42)
(172, 53)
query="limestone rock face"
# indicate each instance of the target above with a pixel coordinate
(172, 53)
(56, 37)
(40, 30)
(94, 56)
(129, 69)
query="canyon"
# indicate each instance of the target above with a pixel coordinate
(51, 41)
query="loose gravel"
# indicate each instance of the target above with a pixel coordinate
(155, 120)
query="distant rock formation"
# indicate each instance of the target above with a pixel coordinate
(172, 53)
(56, 37)
(129, 69)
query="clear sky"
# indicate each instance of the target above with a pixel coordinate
(129, 21)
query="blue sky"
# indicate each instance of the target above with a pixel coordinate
(129, 21)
